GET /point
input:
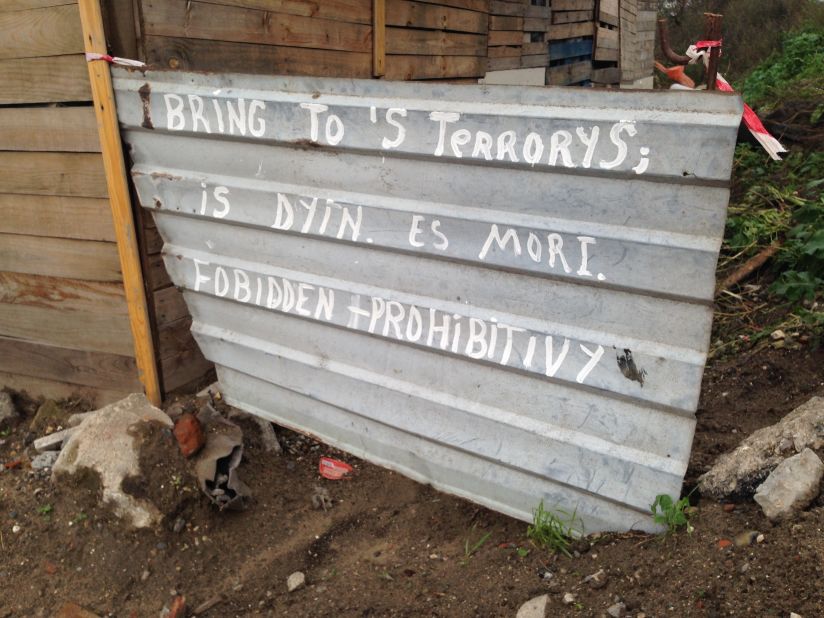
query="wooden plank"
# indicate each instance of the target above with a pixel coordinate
(408, 14)
(169, 305)
(536, 11)
(504, 22)
(498, 7)
(608, 18)
(97, 369)
(52, 389)
(63, 129)
(44, 80)
(505, 37)
(433, 67)
(122, 27)
(82, 218)
(25, 5)
(533, 49)
(173, 336)
(378, 38)
(60, 293)
(52, 31)
(117, 184)
(608, 75)
(569, 73)
(434, 42)
(606, 55)
(201, 55)
(573, 5)
(59, 257)
(535, 60)
(606, 39)
(608, 6)
(571, 31)
(535, 24)
(156, 276)
(352, 11)
(504, 52)
(502, 64)
(472, 5)
(52, 173)
(187, 366)
(570, 49)
(81, 330)
(152, 241)
(570, 17)
(225, 23)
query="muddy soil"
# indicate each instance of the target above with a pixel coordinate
(392, 547)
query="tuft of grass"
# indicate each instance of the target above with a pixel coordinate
(673, 514)
(471, 549)
(554, 530)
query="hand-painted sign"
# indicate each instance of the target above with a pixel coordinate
(504, 292)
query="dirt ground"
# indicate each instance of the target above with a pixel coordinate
(392, 547)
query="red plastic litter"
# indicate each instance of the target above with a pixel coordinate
(333, 469)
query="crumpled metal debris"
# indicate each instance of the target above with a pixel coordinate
(216, 464)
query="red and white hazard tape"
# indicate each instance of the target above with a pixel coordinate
(114, 60)
(700, 51)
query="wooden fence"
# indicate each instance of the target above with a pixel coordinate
(64, 325)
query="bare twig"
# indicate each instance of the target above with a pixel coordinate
(748, 267)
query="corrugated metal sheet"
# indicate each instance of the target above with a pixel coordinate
(503, 292)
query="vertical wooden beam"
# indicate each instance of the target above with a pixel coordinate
(112, 150)
(378, 38)
(712, 23)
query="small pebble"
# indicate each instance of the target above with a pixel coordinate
(295, 581)
(759, 538)
(180, 523)
(569, 598)
(743, 539)
(16, 529)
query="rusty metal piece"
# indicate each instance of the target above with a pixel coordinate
(663, 37)
(712, 23)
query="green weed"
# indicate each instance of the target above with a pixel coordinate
(554, 530)
(670, 513)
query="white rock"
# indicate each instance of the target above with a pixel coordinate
(569, 598)
(777, 335)
(104, 442)
(742, 470)
(295, 581)
(44, 460)
(16, 529)
(791, 486)
(534, 608)
(53, 441)
(8, 412)
(794, 615)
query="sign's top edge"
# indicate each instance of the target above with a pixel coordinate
(662, 101)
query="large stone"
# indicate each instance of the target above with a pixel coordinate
(8, 413)
(739, 472)
(791, 486)
(105, 443)
(49, 417)
(534, 608)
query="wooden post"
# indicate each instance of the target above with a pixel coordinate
(713, 33)
(378, 38)
(112, 150)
